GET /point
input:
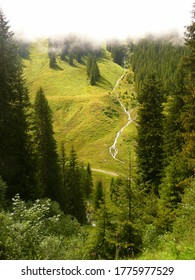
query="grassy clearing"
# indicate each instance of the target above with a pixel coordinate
(87, 117)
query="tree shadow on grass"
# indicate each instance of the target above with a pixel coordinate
(104, 83)
(57, 68)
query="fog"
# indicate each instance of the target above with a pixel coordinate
(100, 19)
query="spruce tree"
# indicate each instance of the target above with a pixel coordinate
(188, 117)
(150, 137)
(45, 147)
(86, 181)
(180, 128)
(70, 59)
(74, 188)
(179, 136)
(93, 71)
(16, 166)
(98, 196)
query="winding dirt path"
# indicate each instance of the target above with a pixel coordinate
(105, 172)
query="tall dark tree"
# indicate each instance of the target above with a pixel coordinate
(93, 71)
(98, 196)
(87, 181)
(189, 99)
(70, 59)
(150, 137)
(180, 128)
(15, 160)
(74, 188)
(45, 146)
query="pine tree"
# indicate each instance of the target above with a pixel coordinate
(3, 189)
(45, 147)
(180, 129)
(16, 166)
(93, 71)
(63, 174)
(87, 181)
(98, 196)
(74, 188)
(179, 136)
(188, 118)
(96, 71)
(51, 54)
(150, 137)
(70, 59)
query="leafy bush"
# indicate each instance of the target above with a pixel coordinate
(39, 231)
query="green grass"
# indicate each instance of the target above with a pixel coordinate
(87, 117)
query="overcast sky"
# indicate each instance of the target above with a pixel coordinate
(97, 18)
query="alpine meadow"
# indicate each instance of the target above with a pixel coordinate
(97, 147)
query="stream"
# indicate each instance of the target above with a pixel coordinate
(113, 149)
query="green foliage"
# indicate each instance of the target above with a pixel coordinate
(93, 71)
(38, 232)
(45, 149)
(102, 247)
(3, 189)
(179, 243)
(161, 56)
(118, 51)
(179, 133)
(150, 136)
(87, 181)
(98, 195)
(76, 183)
(16, 167)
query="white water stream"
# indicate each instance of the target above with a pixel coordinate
(113, 149)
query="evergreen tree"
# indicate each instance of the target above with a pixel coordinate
(63, 168)
(74, 189)
(93, 71)
(102, 248)
(96, 71)
(180, 130)
(173, 129)
(150, 137)
(98, 196)
(70, 59)
(159, 55)
(16, 166)
(52, 54)
(188, 117)
(3, 189)
(52, 60)
(45, 147)
(87, 181)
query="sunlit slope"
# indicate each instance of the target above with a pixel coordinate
(84, 116)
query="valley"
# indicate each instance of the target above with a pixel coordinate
(97, 146)
(84, 116)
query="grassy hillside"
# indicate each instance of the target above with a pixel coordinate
(87, 117)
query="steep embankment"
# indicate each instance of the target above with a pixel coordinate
(85, 116)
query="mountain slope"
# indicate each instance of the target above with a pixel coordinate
(87, 117)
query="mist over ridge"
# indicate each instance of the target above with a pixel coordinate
(100, 20)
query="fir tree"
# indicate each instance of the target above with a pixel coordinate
(45, 147)
(87, 181)
(70, 59)
(16, 166)
(74, 188)
(150, 137)
(188, 117)
(179, 130)
(93, 71)
(98, 196)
